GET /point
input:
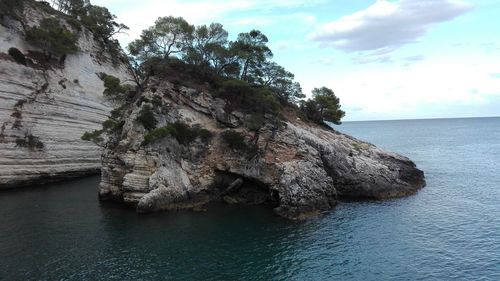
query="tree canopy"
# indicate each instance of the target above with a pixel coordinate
(252, 51)
(11, 8)
(169, 36)
(324, 106)
(251, 77)
(207, 44)
(77, 13)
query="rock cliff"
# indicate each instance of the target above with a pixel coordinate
(298, 168)
(45, 110)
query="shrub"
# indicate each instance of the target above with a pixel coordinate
(74, 23)
(255, 122)
(11, 8)
(21, 142)
(94, 136)
(17, 114)
(17, 124)
(185, 135)
(34, 142)
(234, 140)
(111, 125)
(52, 37)
(112, 86)
(108, 126)
(17, 55)
(157, 101)
(20, 103)
(181, 73)
(157, 134)
(241, 96)
(117, 112)
(181, 131)
(146, 118)
(140, 100)
(31, 142)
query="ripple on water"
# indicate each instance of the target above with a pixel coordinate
(448, 231)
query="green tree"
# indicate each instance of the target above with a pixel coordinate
(97, 19)
(324, 106)
(288, 91)
(280, 81)
(100, 21)
(52, 37)
(169, 36)
(70, 7)
(252, 50)
(113, 88)
(147, 118)
(206, 43)
(11, 8)
(225, 61)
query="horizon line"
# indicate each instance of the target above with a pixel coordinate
(427, 118)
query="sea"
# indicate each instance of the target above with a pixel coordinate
(450, 230)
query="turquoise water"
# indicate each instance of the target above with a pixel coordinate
(448, 231)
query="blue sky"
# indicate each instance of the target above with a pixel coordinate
(384, 59)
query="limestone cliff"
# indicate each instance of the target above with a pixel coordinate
(298, 168)
(45, 110)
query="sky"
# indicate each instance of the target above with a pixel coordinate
(402, 59)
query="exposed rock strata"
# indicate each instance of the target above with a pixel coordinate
(51, 107)
(300, 169)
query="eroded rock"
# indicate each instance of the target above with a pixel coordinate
(298, 168)
(44, 110)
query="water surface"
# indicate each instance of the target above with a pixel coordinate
(448, 231)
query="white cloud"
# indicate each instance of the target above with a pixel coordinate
(414, 58)
(382, 55)
(387, 24)
(139, 15)
(328, 60)
(414, 91)
(263, 20)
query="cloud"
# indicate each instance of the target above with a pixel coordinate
(490, 47)
(378, 56)
(328, 60)
(414, 58)
(413, 92)
(263, 20)
(387, 24)
(139, 15)
(365, 59)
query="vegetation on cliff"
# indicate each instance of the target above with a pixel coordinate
(58, 33)
(52, 37)
(240, 71)
(180, 131)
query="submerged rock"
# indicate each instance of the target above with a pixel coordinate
(298, 168)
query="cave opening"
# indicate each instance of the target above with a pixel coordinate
(236, 189)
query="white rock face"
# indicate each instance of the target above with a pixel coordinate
(54, 107)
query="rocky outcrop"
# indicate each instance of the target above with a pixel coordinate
(45, 110)
(298, 168)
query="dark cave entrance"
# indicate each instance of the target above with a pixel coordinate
(235, 189)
